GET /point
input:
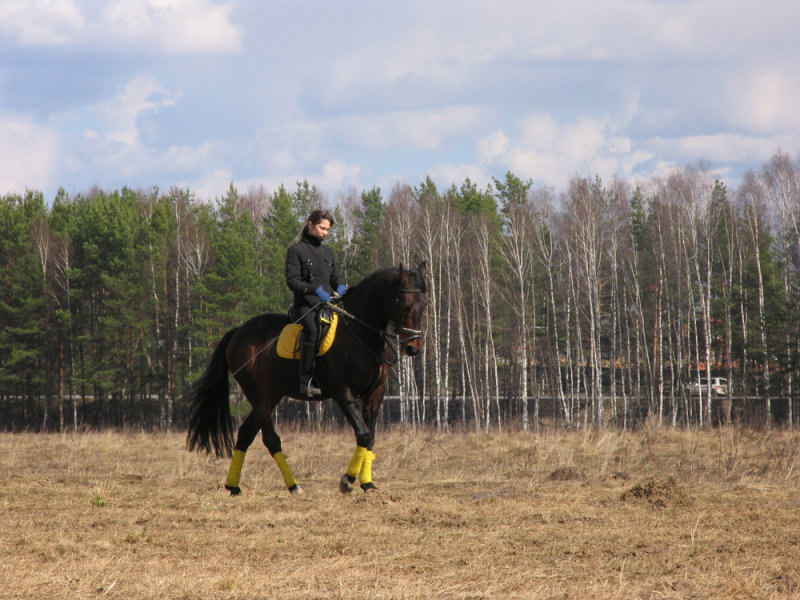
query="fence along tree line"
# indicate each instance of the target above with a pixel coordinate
(582, 306)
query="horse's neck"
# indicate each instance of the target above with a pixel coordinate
(368, 305)
(369, 309)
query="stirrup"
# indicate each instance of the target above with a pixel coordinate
(309, 387)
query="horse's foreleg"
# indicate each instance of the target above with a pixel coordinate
(360, 468)
(348, 481)
(245, 436)
(370, 414)
(365, 474)
(361, 463)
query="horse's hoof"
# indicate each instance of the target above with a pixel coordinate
(369, 487)
(296, 490)
(347, 484)
(234, 490)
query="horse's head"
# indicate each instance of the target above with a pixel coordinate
(408, 311)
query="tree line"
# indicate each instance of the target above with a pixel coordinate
(590, 306)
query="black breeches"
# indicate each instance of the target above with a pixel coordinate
(309, 322)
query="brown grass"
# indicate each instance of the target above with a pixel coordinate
(653, 514)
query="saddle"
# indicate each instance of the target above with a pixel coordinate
(289, 340)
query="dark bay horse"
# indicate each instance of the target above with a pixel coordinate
(390, 302)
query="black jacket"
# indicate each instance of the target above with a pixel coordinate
(310, 264)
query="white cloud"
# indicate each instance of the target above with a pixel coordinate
(427, 130)
(105, 148)
(145, 26)
(41, 22)
(720, 147)
(623, 87)
(491, 147)
(448, 174)
(337, 173)
(119, 115)
(765, 98)
(579, 141)
(539, 131)
(176, 26)
(313, 146)
(27, 152)
(212, 185)
(550, 152)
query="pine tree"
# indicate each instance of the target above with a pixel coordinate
(367, 238)
(23, 309)
(233, 287)
(281, 229)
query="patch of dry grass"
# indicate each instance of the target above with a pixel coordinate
(653, 514)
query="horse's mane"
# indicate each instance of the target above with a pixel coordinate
(365, 293)
(370, 279)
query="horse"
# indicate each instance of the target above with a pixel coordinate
(385, 308)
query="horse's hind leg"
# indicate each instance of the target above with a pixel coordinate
(244, 438)
(273, 443)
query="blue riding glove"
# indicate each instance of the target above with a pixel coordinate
(322, 294)
(341, 289)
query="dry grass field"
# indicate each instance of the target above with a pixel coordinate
(651, 514)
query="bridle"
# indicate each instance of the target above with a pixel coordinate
(412, 334)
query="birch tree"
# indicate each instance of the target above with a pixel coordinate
(512, 195)
(586, 205)
(545, 235)
(754, 208)
(400, 224)
(434, 232)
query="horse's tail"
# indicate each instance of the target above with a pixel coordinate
(210, 425)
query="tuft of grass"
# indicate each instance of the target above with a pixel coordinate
(99, 495)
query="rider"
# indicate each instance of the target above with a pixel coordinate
(313, 276)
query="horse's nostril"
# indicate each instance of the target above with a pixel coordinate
(411, 350)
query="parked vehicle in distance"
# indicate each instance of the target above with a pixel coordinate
(719, 386)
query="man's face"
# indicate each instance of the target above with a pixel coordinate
(320, 230)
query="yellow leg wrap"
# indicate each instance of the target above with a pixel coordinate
(365, 475)
(235, 470)
(288, 476)
(354, 469)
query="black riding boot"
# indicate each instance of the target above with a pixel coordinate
(308, 387)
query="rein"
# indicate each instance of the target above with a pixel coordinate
(414, 334)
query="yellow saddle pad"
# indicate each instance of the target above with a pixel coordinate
(289, 342)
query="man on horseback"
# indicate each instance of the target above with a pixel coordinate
(313, 275)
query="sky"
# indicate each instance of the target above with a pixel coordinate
(350, 95)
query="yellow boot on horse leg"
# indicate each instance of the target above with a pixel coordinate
(235, 473)
(348, 481)
(288, 477)
(365, 475)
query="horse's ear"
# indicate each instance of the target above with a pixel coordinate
(423, 269)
